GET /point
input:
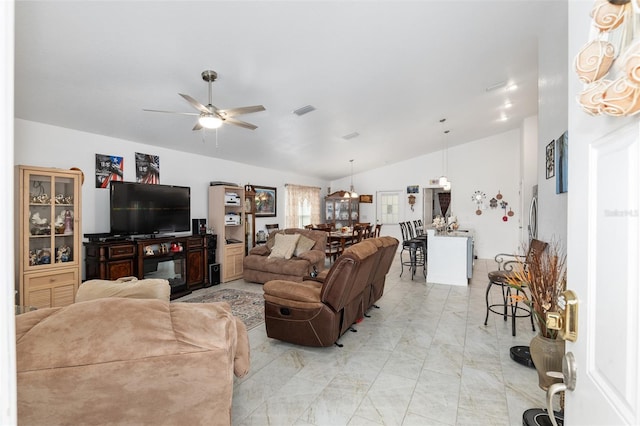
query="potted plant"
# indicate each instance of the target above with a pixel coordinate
(540, 283)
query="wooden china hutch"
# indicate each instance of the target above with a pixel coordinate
(341, 210)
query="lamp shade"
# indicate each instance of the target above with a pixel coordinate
(210, 121)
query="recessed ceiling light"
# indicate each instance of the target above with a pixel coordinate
(503, 117)
(304, 110)
(511, 87)
(351, 135)
(508, 104)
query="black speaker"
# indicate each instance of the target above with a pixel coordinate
(214, 274)
(198, 226)
(211, 248)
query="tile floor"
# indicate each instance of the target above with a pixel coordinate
(424, 358)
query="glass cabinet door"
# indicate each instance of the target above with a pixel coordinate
(50, 221)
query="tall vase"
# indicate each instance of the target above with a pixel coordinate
(546, 355)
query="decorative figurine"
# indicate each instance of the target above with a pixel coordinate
(68, 222)
(148, 251)
(63, 254)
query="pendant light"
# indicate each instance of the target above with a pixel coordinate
(443, 181)
(351, 193)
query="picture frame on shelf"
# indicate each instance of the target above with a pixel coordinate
(266, 200)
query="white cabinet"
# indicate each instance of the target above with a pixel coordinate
(450, 258)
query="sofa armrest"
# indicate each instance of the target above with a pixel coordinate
(313, 256)
(306, 291)
(320, 278)
(260, 251)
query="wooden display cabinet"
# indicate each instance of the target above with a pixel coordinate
(47, 236)
(226, 216)
(341, 211)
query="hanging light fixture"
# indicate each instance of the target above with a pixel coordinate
(442, 181)
(209, 121)
(351, 193)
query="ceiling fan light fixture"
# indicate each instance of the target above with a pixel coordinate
(443, 181)
(209, 121)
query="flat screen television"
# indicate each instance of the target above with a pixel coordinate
(145, 209)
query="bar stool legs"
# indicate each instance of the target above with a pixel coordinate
(509, 306)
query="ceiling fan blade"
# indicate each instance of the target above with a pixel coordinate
(171, 112)
(240, 123)
(241, 110)
(198, 126)
(197, 105)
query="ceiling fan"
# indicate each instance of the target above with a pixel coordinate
(211, 117)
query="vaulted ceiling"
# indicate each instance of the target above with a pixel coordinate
(387, 71)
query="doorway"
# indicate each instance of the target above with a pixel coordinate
(436, 202)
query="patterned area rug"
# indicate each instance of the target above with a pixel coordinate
(246, 305)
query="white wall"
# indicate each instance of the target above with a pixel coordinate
(490, 165)
(529, 164)
(50, 146)
(553, 119)
(8, 398)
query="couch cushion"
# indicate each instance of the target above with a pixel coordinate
(284, 246)
(272, 238)
(304, 244)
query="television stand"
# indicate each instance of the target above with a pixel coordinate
(186, 270)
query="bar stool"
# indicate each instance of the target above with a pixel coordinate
(509, 307)
(417, 255)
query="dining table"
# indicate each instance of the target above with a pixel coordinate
(344, 238)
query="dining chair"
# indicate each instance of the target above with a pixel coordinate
(376, 230)
(272, 227)
(333, 248)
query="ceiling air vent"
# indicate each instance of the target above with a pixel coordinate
(351, 136)
(304, 110)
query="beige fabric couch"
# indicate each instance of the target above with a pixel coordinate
(129, 361)
(260, 268)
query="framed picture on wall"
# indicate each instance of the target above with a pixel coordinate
(266, 201)
(551, 159)
(562, 163)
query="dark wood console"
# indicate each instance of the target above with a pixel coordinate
(180, 260)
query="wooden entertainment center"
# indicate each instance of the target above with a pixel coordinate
(181, 260)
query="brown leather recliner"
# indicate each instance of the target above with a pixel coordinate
(315, 313)
(387, 246)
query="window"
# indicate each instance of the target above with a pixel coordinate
(303, 206)
(304, 211)
(389, 207)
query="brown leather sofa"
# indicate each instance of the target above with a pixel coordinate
(259, 267)
(129, 361)
(318, 312)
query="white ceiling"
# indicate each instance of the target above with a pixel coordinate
(389, 70)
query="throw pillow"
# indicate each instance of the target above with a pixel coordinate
(284, 246)
(272, 241)
(304, 244)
